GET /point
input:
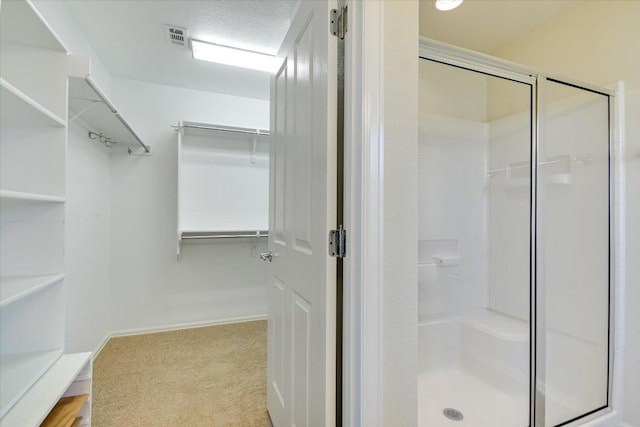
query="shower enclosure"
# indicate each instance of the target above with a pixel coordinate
(515, 278)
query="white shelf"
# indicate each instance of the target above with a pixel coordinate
(91, 105)
(551, 180)
(14, 288)
(21, 23)
(18, 109)
(34, 406)
(34, 68)
(19, 195)
(19, 372)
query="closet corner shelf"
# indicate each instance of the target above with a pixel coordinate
(19, 109)
(36, 404)
(20, 371)
(35, 197)
(85, 96)
(15, 288)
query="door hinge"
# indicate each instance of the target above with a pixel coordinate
(338, 20)
(338, 243)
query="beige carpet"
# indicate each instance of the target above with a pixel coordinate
(212, 376)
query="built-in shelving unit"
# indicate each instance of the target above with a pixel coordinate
(89, 104)
(9, 195)
(69, 376)
(20, 109)
(65, 413)
(34, 371)
(223, 180)
(15, 288)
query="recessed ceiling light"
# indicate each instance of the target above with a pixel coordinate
(232, 56)
(447, 4)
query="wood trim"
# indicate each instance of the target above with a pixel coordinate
(65, 412)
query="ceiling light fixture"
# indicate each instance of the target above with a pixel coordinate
(232, 56)
(447, 4)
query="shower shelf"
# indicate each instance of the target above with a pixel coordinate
(556, 179)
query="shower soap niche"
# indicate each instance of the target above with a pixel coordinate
(447, 260)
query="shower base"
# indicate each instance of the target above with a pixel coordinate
(477, 364)
(481, 403)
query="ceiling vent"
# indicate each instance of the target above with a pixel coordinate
(175, 36)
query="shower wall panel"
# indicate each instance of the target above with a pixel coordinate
(452, 223)
(509, 193)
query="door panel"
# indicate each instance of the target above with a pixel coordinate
(277, 338)
(304, 121)
(301, 340)
(278, 155)
(301, 351)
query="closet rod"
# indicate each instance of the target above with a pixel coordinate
(115, 111)
(187, 235)
(234, 129)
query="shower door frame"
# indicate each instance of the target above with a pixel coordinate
(477, 62)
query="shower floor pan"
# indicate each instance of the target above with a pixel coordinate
(476, 364)
(481, 403)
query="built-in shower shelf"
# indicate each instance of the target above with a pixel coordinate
(550, 180)
(497, 324)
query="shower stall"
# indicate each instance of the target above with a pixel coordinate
(515, 274)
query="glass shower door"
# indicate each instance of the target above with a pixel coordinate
(475, 211)
(573, 254)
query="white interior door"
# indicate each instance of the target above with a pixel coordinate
(301, 332)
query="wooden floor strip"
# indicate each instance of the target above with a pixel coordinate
(65, 413)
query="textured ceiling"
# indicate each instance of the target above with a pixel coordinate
(128, 36)
(488, 25)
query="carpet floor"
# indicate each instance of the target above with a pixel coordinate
(211, 376)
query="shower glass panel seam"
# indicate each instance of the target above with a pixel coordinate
(613, 196)
(537, 405)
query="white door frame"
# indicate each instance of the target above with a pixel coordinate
(363, 193)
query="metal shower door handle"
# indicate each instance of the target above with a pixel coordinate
(267, 256)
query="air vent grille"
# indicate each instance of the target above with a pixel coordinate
(176, 36)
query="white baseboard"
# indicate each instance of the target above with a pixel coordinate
(175, 327)
(101, 345)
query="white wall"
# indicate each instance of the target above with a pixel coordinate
(214, 280)
(510, 216)
(58, 17)
(599, 42)
(400, 106)
(452, 216)
(87, 211)
(452, 159)
(87, 242)
(224, 183)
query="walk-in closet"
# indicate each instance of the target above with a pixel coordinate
(134, 211)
